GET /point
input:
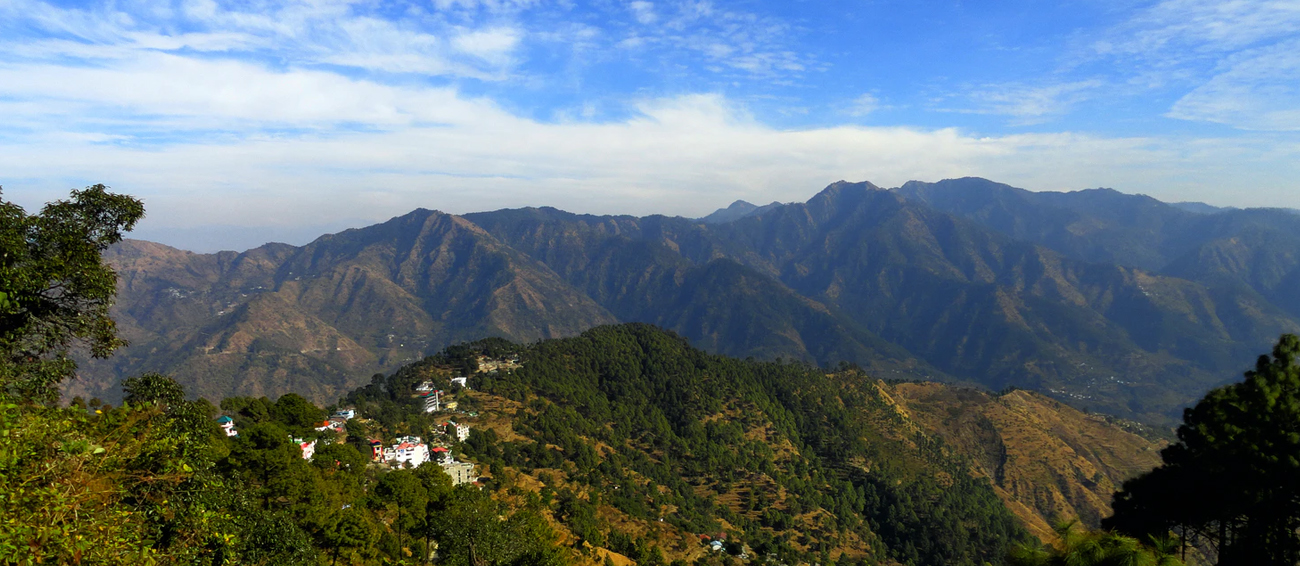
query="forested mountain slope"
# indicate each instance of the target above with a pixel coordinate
(648, 438)
(1092, 297)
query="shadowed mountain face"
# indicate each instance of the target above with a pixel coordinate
(1227, 250)
(1097, 298)
(320, 319)
(956, 296)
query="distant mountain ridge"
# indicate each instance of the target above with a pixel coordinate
(736, 211)
(1115, 302)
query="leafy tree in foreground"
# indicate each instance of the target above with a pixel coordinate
(56, 290)
(1229, 485)
(1094, 548)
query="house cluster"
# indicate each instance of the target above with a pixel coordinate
(227, 424)
(411, 451)
(338, 421)
(489, 365)
(433, 398)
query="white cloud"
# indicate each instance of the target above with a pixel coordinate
(1183, 28)
(864, 105)
(245, 118)
(682, 155)
(1030, 104)
(1234, 59)
(493, 45)
(1260, 90)
(643, 11)
(492, 6)
(723, 40)
(158, 90)
(304, 32)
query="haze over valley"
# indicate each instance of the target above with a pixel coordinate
(1112, 302)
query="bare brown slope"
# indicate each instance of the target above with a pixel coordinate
(320, 319)
(1047, 461)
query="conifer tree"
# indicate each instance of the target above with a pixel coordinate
(1229, 485)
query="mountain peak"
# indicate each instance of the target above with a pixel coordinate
(737, 210)
(842, 195)
(842, 186)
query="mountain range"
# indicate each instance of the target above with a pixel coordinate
(1112, 302)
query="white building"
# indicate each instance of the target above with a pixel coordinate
(461, 381)
(345, 414)
(440, 455)
(460, 472)
(461, 431)
(228, 425)
(424, 386)
(334, 424)
(409, 450)
(432, 401)
(308, 448)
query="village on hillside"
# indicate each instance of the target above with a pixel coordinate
(409, 451)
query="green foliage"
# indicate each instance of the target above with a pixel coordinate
(1094, 548)
(350, 530)
(135, 484)
(297, 413)
(152, 388)
(656, 402)
(1238, 453)
(471, 532)
(56, 290)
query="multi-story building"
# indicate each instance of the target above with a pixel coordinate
(432, 401)
(460, 472)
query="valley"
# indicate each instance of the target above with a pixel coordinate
(963, 281)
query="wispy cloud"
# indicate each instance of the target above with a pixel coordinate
(726, 40)
(679, 156)
(643, 11)
(1258, 90)
(1027, 103)
(1173, 30)
(304, 33)
(864, 105)
(1236, 59)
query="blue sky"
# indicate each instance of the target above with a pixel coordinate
(244, 121)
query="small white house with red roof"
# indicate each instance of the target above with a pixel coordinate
(308, 448)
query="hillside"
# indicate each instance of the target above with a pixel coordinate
(1047, 461)
(1096, 298)
(650, 439)
(622, 445)
(318, 320)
